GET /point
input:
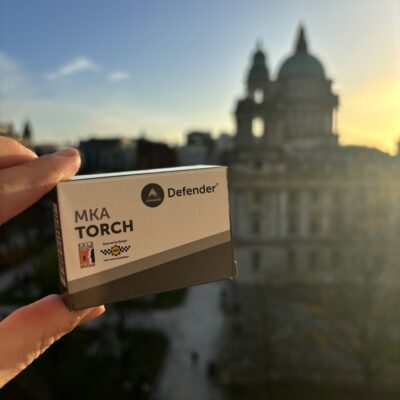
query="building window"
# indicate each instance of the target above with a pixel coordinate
(258, 96)
(258, 127)
(292, 223)
(256, 225)
(256, 261)
(257, 196)
(313, 260)
(315, 199)
(337, 211)
(293, 198)
(291, 260)
(258, 164)
(315, 213)
(292, 212)
(315, 224)
(336, 259)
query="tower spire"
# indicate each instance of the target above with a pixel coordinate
(27, 131)
(301, 45)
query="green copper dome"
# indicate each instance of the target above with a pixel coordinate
(258, 70)
(301, 64)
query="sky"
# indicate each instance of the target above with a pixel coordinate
(84, 68)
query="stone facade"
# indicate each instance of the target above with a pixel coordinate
(309, 216)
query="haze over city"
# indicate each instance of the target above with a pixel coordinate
(100, 68)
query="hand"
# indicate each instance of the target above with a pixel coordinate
(29, 331)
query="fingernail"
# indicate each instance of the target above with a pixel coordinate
(91, 315)
(82, 313)
(70, 152)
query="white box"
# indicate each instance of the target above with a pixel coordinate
(124, 235)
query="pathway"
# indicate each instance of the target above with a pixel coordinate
(198, 328)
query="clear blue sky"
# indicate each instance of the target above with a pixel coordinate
(82, 67)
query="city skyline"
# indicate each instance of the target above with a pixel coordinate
(94, 68)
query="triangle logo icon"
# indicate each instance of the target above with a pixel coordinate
(153, 195)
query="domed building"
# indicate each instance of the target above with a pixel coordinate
(291, 183)
(295, 111)
(301, 64)
(308, 215)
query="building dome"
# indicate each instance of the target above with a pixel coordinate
(258, 71)
(301, 64)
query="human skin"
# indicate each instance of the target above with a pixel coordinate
(29, 331)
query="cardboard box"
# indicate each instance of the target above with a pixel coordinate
(125, 235)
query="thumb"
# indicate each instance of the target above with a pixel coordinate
(29, 331)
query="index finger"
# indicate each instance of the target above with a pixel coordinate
(23, 185)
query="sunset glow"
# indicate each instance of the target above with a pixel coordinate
(371, 115)
(170, 68)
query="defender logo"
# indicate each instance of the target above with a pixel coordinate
(152, 195)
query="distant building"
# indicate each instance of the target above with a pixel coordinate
(7, 129)
(223, 149)
(273, 182)
(26, 137)
(198, 149)
(299, 206)
(154, 155)
(118, 154)
(107, 155)
(201, 148)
